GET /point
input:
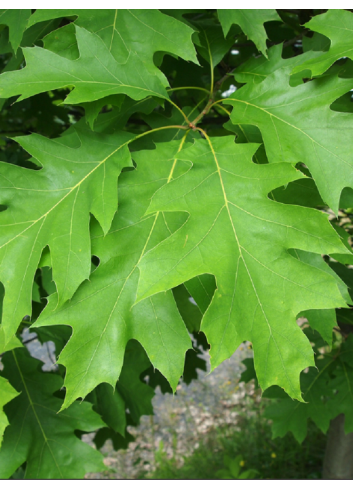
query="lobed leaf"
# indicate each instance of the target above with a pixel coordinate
(237, 234)
(342, 401)
(122, 30)
(40, 436)
(251, 21)
(256, 70)
(16, 20)
(337, 26)
(101, 313)
(50, 207)
(297, 125)
(95, 74)
(130, 392)
(7, 393)
(290, 415)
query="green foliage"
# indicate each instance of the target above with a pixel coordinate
(7, 394)
(233, 469)
(327, 391)
(248, 258)
(248, 440)
(233, 466)
(50, 209)
(96, 70)
(37, 434)
(251, 22)
(158, 179)
(118, 31)
(112, 287)
(336, 25)
(318, 139)
(16, 20)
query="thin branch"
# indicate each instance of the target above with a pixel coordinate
(187, 88)
(220, 82)
(299, 37)
(211, 65)
(221, 107)
(200, 116)
(29, 340)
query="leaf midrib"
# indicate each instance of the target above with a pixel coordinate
(32, 405)
(240, 247)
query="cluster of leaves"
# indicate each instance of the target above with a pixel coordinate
(327, 390)
(233, 469)
(160, 177)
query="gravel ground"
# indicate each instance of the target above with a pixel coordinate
(180, 421)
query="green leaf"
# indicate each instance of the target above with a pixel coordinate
(51, 207)
(7, 393)
(323, 320)
(249, 374)
(117, 118)
(291, 415)
(249, 474)
(119, 442)
(109, 403)
(10, 345)
(130, 392)
(256, 70)
(317, 42)
(224, 474)
(337, 26)
(122, 31)
(92, 109)
(189, 310)
(136, 394)
(320, 139)
(62, 41)
(211, 234)
(234, 466)
(251, 21)
(95, 74)
(347, 350)
(16, 20)
(210, 42)
(342, 401)
(345, 259)
(193, 362)
(101, 312)
(241, 237)
(202, 289)
(39, 435)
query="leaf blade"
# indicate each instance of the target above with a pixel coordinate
(234, 317)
